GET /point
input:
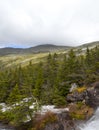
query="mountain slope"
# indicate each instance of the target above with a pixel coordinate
(36, 49)
(89, 45)
(12, 57)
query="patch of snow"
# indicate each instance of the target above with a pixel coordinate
(32, 106)
(26, 99)
(83, 49)
(52, 108)
(43, 109)
(73, 87)
(4, 107)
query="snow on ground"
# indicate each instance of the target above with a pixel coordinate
(4, 107)
(43, 109)
(52, 108)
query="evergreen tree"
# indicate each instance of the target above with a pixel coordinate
(15, 95)
(39, 82)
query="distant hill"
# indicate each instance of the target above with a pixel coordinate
(12, 57)
(9, 50)
(89, 45)
(82, 48)
(36, 49)
(44, 48)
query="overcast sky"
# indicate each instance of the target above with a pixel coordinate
(25, 23)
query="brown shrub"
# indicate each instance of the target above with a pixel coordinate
(43, 120)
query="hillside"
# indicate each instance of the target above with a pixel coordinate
(64, 80)
(31, 50)
(90, 45)
(12, 57)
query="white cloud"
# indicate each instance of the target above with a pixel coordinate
(32, 22)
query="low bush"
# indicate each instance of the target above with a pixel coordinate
(48, 118)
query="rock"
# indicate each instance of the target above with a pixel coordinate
(64, 122)
(73, 87)
(90, 96)
(76, 96)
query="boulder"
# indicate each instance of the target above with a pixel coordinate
(90, 96)
(76, 96)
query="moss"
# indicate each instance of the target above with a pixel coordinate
(80, 104)
(80, 111)
(81, 89)
(78, 116)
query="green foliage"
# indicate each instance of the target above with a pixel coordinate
(39, 84)
(59, 101)
(15, 95)
(80, 104)
(78, 116)
(47, 82)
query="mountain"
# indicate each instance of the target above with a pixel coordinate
(36, 49)
(82, 48)
(12, 57)
(89, 45)
(10, 50)
(47, 48)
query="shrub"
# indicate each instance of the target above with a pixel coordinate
(80, 104)
(77, 116)
(59, 101)
(48, 118)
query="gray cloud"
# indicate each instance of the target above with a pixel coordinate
(25, 23)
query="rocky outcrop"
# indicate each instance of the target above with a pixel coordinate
(80, 104)
(63, 121)
(76, 96)
(90, 96)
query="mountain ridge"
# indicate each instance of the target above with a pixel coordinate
(35, 49)
(12, 57)
(44, 48)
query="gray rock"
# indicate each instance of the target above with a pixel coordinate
(89, 96)
(92, 98)
(75, 97)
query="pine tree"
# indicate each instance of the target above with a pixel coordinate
(39, 82)
(15, 96)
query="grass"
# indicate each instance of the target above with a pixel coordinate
(81, 111)
(23, 60)
(13, 60)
